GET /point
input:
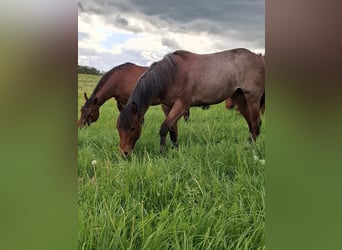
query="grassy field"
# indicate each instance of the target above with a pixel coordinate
(207, 194)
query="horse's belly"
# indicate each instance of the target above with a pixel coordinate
(211, 93)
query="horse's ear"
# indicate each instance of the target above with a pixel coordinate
(95, 101)
(85, 96)
(134, 108)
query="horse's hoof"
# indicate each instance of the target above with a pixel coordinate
(251, 139)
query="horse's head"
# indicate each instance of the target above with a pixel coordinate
(89, 111)
(129, 125)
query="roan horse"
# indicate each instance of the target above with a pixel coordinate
(230, 104)
(119, 83)
(183, 79)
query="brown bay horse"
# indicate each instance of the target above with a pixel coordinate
(183, 79)
(118, 83)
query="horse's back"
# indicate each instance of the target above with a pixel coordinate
(219, 74)
(227, 61)
(236, 65)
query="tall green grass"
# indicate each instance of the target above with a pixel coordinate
(207, 194)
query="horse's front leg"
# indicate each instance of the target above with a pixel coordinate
(173, 130)
(164, 129)
(119, 105)
(187, 116)
(170, 124)
(174, 136)
(163, 133)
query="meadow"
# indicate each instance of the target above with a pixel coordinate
(207, 194)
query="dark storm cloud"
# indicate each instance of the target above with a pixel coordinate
(123, 23)
(170, 43)
(230, 23)
(219, 17)
(217, 10)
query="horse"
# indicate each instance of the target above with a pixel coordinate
(118, 83)
(183, 79)
(230, 104)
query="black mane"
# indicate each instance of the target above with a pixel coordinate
(149, 87)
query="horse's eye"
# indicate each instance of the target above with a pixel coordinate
(132, 129)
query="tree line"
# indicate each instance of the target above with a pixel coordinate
(88, 70)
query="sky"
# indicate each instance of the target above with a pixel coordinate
(112, 32)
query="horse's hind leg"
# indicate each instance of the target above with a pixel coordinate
(262, 103)
(254, 110)
(239, 98)
(249, 110)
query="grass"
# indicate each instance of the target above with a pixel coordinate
(207, 194)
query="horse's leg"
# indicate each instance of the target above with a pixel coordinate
(170, 124)
(187, 116)
(174, 135)
(163, 129)
(262, 103)
(256, 105)
(162, 133)
(173, 130)
(119, 105)
(249, 106)
(254, 110)
(239, 98)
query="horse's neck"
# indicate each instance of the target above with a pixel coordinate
(107, 91)
(143, 110)
(144, 103)
(101, 97)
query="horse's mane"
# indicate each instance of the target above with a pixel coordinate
(149, 87)
(106, 76)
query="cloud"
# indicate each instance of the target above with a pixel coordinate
(219, 14)
(124, 23)
(152, 27)
(121, 21)
(171, 43)
(80, 6)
